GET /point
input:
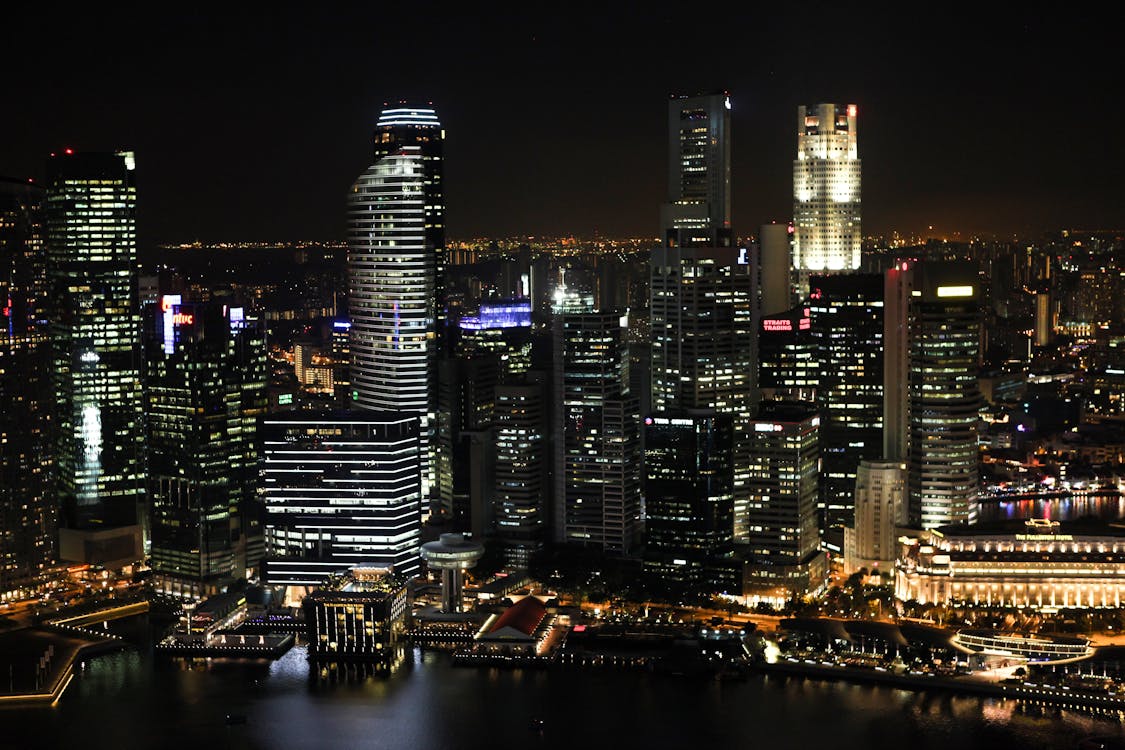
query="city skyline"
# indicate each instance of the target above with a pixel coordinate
(968, 126)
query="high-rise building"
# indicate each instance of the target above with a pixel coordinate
(395, 251)
(205, 390)
(689, 496)
(944, 397)
(703, 300)
(847, 326)
(597, 466)
(782, 521)
(826, 191)
(697, 213)
(28, 517)
(341, 491)
(775, 243)
(95, 336)
(787, 356)
(522, 488)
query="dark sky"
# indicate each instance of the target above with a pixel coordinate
(251, 123)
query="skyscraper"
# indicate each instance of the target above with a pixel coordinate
(28, 517)
(395, 251)
(826, 191)
(95, 336)
(597, 466)
(847, 326)
(703, 307)
(205, 390)
(880, 508)
(521, 488)
(341, 491)
(944, 397)
(697, 213)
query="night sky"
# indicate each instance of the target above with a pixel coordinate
(251, 124)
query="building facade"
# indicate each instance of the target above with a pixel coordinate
(205, 391)
(28, 517)
(95, 337)
(396, 249)
(341, 490)
(826, 191)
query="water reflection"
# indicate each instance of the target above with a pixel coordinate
(1105, 507)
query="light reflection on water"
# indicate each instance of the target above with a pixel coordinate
(1105, 507)
(134, 701)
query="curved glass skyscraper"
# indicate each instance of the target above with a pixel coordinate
(395, 248)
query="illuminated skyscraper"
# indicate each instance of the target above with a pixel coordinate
(395, 250)
(28, 518)
(847, 325)
(826, 191)
(205, 390)
(944, 396)
(703, 305)
(95, 335)
(697, 213)
(597, 465)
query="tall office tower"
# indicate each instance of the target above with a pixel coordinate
(502, 328)
(703, 299)
(783, 538)
(466, 396)
(341, 491)
(205, 390)
(597, 466)
(787, 356)
(689, 493)
(95, 336)
(898, 291)
(775, 252)
(697, 213)
(880, 508)
(28, 518)
(944, 397)
(847, 325)
(521, 489)
(395, 250)
(826, 191)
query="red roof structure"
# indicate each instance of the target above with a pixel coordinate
(524, 616)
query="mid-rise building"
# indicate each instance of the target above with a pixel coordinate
(99, 476)
(341, 490)
(871, 541)
(689, 497)
(784, 543)
(788, 357)
(28, 517)
(826, 191)
(205, 391)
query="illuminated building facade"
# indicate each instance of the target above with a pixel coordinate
(703, 300)
(697, 213)
(597, 466)
(943, 395)
(689, 493)
(782, 520)
(871, 540)
(341, 490)
(360, 616)
(205, 390)
(826, 191)
(95, 336)
(847, 314)
(787, 356)
(1040, 564)
(522, 486)
(28, 518)
(396, 246)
